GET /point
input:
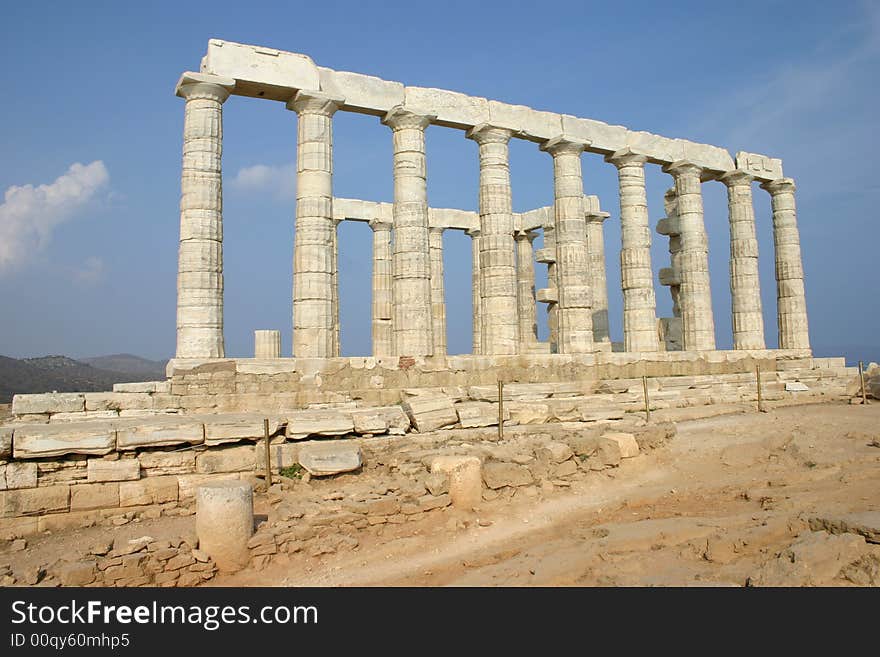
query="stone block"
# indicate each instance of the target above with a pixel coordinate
(760, 166)
(119, 470)
(369, 421)
(143, 386)
(117, 401)
(528, 412)
(479, 414)
(32, 501)
(397, 420)
(50, 402)
(83, 416)
(85, 497)
(157, 463)
(330, 458)
(151, 490)
(465, 479)
(21, 475)
(5, 442)
(160, 432)
(78, 573)
(603, 138)
(282, 455)
(233, 428)
(42, 441)
(430, 412)
(362, 93)
(795, 386)
(626, 443)
(556, 452)
(321, 422)
(498, 474)
(452, 109)
(228, 459)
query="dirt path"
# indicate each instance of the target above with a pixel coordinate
(715, 506)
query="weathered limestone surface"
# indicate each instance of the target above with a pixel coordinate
(302, 424)
(51, 402)
(639, 304)
(225, 522)
(200, 260)
(599, 282)
(525, 289)
(330, 459)
(430, 412)
(314, 321)
(411, 291)
(233, 428)
(383, 342)
(41, 440)
(100, 470)
(438, 299)
(476, 292)
(157, 433)
(499, 330)
(574, 317)
(479, 414)
(267, 344)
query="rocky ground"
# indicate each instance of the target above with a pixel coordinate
(788, 497)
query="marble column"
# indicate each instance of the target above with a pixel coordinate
(267, 344)
(500, 326)
(382, 286)
(525, 287)
(596, 264)
(791, 301)
(334, 286)
(637, 278)
(745, 286)
(695, 294)
(553, 288)
(438, 294)
(411, 262)
(200, 257)
(476, 291)
(575, 313)
(314, 325)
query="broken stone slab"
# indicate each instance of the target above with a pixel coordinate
(240, 458)
(524, 412)
(555, 451)
(795, 386)
(143, 386)
(331, 458)
(479, 414)
(117, 401)
(83, 416)
(222, 429)
(525, 391)
(320, 422)
(159, 433)
(45, 440)
(626, 442)
(369, 421)
(100, 470)
(465, 479)
(397, 420)
(863, 523)
(498, 474)
(50, 402)
(428, 413)
(589, 413)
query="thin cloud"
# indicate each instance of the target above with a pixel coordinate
(29, 214)
(277, 180)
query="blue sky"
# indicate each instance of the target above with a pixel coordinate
(88, 260)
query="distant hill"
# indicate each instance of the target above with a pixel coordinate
(63, 374)
(128, 364)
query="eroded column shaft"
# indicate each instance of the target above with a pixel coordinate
(598, 276)
(382, 284)
(525, 276)
(438, 294)
(476, 292)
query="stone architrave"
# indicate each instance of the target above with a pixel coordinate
(695, 294)
(476, 292)
(438, 298)
(745, 286)
(791, 301)
(382, 284)
(575, 313)
(314, 334)
(637, 279)
(200, 258)
(525, 286)
(599, 279)
(500, 325)
(411, 288)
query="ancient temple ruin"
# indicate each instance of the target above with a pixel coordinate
(408, 304)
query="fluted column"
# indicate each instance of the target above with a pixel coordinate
(500, 327)
(438, 294)
(382, 284)
(791, 301)
(525, 285)
(553, 287)
(411, 289)
(574, 315)
(476, 291)
(745, 286)
(695, 294)
(596, 264)
(200, 257)
(637, 278)
(314, 320)
(334, 286)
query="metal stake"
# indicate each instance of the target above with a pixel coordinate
(862, 381)
(500, 410)
(758, 378)
(647, 404)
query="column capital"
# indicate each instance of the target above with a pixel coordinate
(626, 157)
(485, 133)
(436, 229)
(596, 217)
(529, 235)
(780, 186)
(314, 102)
(202, 85)
(670, 194)
(379, 224)
(736, 178)
(682, 167)
(398, 118)
(562, 145)
(473, 232)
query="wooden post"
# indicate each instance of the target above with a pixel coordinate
(500, 410)
(862, 382)
(758, 379)
(268, 452)
(647, 403)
